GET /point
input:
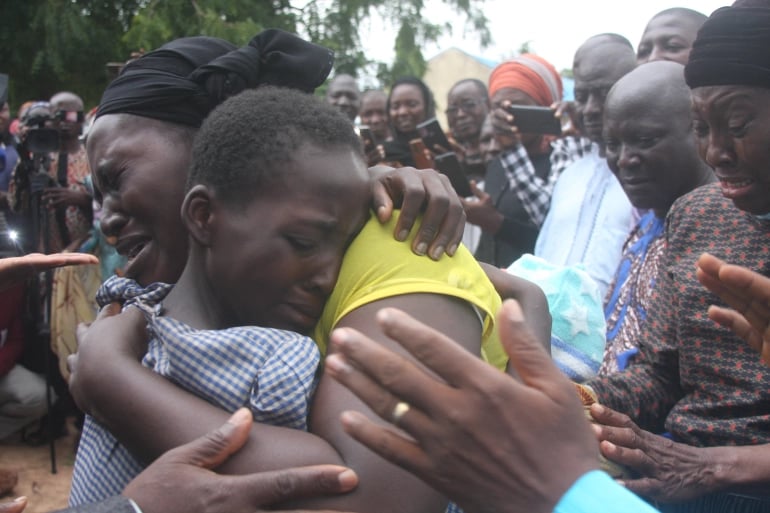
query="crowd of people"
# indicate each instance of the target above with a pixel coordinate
(290, 295)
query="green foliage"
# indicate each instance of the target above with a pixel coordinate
(52, 45)
(409, 59)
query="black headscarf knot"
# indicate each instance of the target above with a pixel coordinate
(182, 81)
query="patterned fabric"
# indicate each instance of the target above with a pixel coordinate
(271, 371)
(118, 504)
(77, 220)
(73, 292)
(578, 327)
(693, 378)
(589, 220)
(72, 302)
(533, 191)
(630, 295)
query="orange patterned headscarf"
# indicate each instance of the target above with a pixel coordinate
(530, 74)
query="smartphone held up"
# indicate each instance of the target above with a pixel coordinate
(534, 119)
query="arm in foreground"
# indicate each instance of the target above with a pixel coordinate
(182, 480)
(467, 435)
(385, 487)
(151, 415)
(531, 299)
(155, 416)
(747, 292)
(669, 471)
(16, 269)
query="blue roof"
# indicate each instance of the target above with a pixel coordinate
(568, 85)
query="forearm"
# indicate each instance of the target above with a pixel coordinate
(531, 299)
(383, 487)
(743, 469)
(151, 415)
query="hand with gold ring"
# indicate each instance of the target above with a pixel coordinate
(399, 410)
(473, 433)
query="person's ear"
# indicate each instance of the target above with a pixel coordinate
(197, 214)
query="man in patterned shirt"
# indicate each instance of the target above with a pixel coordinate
(652, 101)
(695, 379)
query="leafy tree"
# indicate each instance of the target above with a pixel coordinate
(52, 45)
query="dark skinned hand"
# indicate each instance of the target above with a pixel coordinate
(97, 341)
(667, 471)
(487, 441)
(58, 197)
(16, 269)
(417, 191)
(15, 506)
(747, 292)
(182, 479)
(481, 211)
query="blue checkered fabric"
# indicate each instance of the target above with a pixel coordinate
(273, 372)
(535, 192)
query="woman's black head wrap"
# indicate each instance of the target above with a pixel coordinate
(182, 81)
(732, 48)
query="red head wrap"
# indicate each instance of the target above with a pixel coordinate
(531, 74)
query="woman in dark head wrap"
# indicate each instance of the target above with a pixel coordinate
(717, 407)
(139, 149)
(141, 141)
(147, 118)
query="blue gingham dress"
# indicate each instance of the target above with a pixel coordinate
(273, 372)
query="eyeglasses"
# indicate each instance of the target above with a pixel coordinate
(466, 105)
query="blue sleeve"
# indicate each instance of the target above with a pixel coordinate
(117, 504)
(597, 492)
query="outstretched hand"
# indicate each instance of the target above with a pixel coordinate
(482, 438)
(182, 480)
(667, 471)
(417, 191)
(16, 269)
(15, 506)
(747, 292)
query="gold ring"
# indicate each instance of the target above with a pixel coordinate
(399, 411)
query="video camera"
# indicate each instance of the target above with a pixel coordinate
(39, 136)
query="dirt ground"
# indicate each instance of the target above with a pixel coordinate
(46, 491)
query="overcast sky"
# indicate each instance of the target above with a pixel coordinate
(554, 28)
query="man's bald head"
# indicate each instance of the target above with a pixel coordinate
(66, 100)
(344, 94)
(669, 35)
(599, 62)
(650, 144)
